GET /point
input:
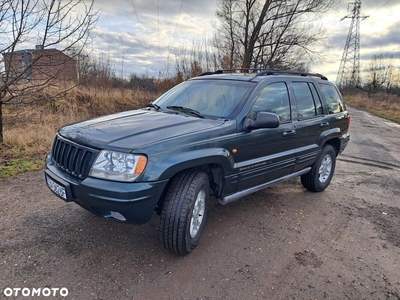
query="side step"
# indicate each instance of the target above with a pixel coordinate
(241, 194)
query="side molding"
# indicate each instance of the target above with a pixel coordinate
(241, 194)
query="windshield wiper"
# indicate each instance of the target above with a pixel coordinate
(152, 105)
(186, 110)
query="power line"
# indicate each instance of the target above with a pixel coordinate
(177, 21)
(158, 35)
(176, 27)
(140, 27)
(383, 5)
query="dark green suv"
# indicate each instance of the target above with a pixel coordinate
(224, 134)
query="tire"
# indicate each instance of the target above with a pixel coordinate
(321, 172)
(184, 211)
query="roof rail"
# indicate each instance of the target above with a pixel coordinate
(235, 70)
(264, 72)
(274, 71)
(211, 73)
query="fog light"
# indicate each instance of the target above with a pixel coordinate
(118, 216)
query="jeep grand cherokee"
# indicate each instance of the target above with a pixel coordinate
(222, 133)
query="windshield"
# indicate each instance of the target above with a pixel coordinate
(217, 98)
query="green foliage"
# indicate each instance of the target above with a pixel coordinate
(16, 166)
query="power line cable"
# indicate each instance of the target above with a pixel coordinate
(383, 5)
(158, 36)
(173, 37)
(380, 7)
(177, 21)
(140, 27)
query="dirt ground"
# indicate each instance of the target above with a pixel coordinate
(281, 243)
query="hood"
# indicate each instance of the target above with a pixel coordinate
(134, 129)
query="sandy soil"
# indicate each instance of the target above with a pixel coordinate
(281, 243)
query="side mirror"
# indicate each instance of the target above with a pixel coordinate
(263, 120)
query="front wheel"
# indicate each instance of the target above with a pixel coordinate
(184, 211)
(321, 172)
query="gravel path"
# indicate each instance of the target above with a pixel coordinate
(281, 243)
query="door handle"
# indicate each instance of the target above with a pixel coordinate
(290, 132)
(324, 124)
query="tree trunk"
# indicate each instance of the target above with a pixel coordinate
(1, 122)
(255, 35)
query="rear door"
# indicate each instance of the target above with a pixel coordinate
(335, 107)
(266, 154)
(310, 122)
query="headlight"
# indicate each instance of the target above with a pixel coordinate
(118, 166)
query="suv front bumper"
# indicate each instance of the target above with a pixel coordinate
(118, 201)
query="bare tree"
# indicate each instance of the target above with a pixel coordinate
(194, 60)
(45, 24)
(380, 74)
(269, 33)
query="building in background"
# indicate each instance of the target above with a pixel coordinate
(38, 65)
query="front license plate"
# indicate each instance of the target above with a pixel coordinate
(57, 189)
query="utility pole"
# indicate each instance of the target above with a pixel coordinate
(349, 70)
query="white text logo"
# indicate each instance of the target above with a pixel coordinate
(36, 292)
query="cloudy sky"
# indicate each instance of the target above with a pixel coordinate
(140, 36)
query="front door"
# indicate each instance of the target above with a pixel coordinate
(266, 154)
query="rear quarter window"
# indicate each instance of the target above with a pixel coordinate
(308, 103)
(333, 99)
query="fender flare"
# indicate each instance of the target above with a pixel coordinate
(170, 165)
(327, 135)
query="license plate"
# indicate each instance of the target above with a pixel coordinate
(57, 188)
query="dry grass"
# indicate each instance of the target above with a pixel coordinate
(30, 129)
(382, 104)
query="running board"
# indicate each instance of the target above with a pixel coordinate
(241, 194)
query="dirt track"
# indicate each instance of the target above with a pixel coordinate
(282, 243)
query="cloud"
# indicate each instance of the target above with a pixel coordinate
(385, 38)
(148, 32)
(145, 33)
(374, 4)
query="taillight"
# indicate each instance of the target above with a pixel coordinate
(348, 123)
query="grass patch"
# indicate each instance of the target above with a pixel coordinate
(13, 161)
(16, 166)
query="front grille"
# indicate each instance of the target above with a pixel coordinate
(72, 158)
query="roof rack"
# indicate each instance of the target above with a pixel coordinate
(264, 72)
(235, 70)
(273, 72)
(211, 73)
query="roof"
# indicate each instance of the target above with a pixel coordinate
(30, 51)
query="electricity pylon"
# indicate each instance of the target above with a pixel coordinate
(349, 70)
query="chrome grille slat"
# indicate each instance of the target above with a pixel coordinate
(72, 158)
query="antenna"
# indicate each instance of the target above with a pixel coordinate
(349, 70)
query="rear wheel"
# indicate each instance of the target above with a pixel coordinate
(322, 171)
(184, 211)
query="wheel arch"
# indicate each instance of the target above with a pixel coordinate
(335, 143)
(330, 137)
(216, 164)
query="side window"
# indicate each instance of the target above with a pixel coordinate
(273, 98)
(333, 99)
(305, 101)
(317, 100)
